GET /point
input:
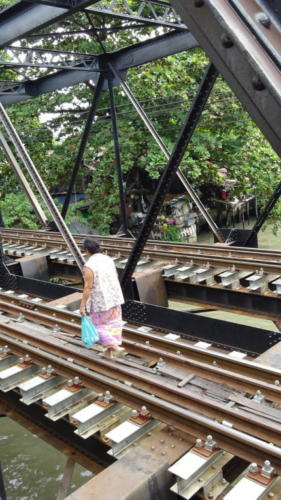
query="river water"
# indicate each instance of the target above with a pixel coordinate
(33, 470)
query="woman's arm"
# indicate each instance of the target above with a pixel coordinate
(88, 285)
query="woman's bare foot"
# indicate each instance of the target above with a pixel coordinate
(118, 348)
(109, 353)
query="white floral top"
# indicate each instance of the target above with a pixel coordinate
(106, 291)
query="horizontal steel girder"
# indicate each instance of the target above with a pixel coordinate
(23, 18)
(123, 59)
(243, 47)
(26, 17)
(193, 327)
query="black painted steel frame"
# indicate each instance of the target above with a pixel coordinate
(220, 333)
(266, 211)
(122, 197)
(83, 143)
(193, 117)
(230, 299)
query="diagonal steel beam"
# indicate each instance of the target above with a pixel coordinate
(193, 195)
(42, 190)
(122, 199)
(243, 39)
(22, 179)
(83, 143)
(193, 117)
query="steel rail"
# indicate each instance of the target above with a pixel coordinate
(241, 443)
(216, 250)
(182, 256)
(217, 366)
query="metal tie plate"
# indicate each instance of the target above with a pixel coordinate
(34, 388)
(59, 403)
(128, 433)
(10, 377)
(93, 421)
(195, 471)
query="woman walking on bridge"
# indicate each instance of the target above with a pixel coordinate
(102, 297)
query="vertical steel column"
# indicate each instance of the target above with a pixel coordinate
(193, 195)
(193, 117)
(21, 177)
(42, 189)
(83, 143)
(123, 215)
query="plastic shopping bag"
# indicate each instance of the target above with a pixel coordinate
(89, 333)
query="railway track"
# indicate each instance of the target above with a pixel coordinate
(45, 237)
(199, 390)
(220, 269)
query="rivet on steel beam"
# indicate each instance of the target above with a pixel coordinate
(178, 353)
(253, 468)
(263, 19)
(76, 381)
(152, 448)
(43, 370)
(134, 413)
(100, 396)
(226, 41)
(163, 453)
(257, 83)
(27, 357)
(270, 495)
(147, 342)
(198, 443)
(162, 441)
(198, 3)
(70, 382)
(173, 445)
(276, 382)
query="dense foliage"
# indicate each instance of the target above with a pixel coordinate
(51, 128)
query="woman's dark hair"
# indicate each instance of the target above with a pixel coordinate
(91, 245)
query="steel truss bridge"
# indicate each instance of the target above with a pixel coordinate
(194, 396)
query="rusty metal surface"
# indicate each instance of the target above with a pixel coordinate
(271, 357)
(151, 287)
(142, 473)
